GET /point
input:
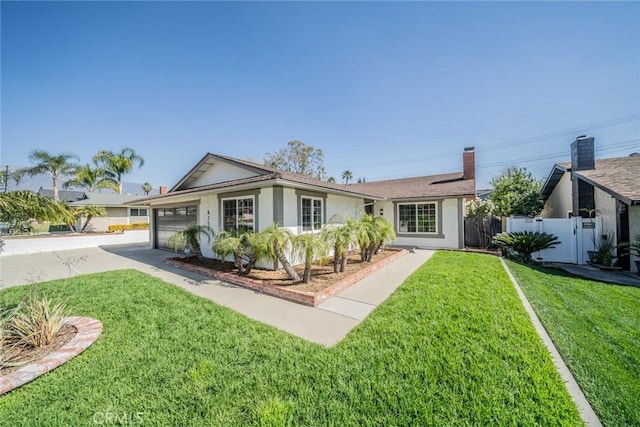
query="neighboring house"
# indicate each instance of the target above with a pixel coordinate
(227, 193)
(610, 186)
(120, 210)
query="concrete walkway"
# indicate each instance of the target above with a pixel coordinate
(326, 324)
(593, 273)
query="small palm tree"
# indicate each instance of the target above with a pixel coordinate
(118, 164)
(231, 243)
(21, 206)
(311, 246)
(341, 235)
(385, 233)
(191, 237)
(346, 176)
(331, 179)
(277, 239)
(146, 188)
(54, 165)
(92, 178)
(88, 211)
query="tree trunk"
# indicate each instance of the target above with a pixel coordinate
(307, 272)
(250, 264)
(119, 186)
(343, 263)
(86, 223)
(336, 260)
(55, 189)
(286, 264)
(370, 252)
(237, 256)
(195, 245)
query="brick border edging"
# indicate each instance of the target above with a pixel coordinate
(305, 298)
(88, 331)
(587, 413)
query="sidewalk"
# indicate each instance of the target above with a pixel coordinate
(326, 324)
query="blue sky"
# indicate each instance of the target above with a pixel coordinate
(387, 90)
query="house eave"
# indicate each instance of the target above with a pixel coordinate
(552, 180)
(609, 191)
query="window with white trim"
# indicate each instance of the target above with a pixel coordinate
(417, 217)
(311, 213)
(138, 212)
(237, 214)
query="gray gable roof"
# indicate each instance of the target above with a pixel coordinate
(64, 195)
(106, 199)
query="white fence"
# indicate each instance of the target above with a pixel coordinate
(28, 245)
(577, 236)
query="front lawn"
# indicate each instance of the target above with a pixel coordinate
(452, 346)
(596, 328)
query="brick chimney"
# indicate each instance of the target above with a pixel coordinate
(582, 158)
(469, 163)
(163, 189)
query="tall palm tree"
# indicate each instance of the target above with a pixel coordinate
(311, 246)
(54, 165)
(278, 239)
(91, 178)
(118, 164)
(146, 188)
(346, 176)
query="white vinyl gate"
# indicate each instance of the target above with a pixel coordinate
(577, 236)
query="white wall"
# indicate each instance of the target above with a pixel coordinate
(337, 204)
(221, 172)
(208, 215)
(28, 245)
(559, 202)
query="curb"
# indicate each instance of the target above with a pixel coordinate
(586, 411)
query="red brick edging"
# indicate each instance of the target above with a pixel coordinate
(304, 298)
(88, 332)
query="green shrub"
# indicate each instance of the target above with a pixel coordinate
(128, 227)
(521, 244)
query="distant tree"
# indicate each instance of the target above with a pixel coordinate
(359, 180)
(146, 188)
(298, 157)
(7, 175)
(118, 164)
(516, 192)
(92, 178)
(346, 176)
(54, 165)
(331, 179)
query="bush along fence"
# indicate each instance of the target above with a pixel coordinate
(128, 227)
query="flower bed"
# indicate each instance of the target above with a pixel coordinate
(322, 285)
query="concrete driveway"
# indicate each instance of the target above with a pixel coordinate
(326, 324)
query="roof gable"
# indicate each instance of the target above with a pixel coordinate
(215, 169)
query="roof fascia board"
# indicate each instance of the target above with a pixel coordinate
(557, 170)
(318, 188)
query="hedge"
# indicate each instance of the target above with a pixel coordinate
(126, 227)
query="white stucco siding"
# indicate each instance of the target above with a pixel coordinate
(265, 208)
(222, 172)
(559, 203)
(115, 216)
(606, 209)
(337, 205)
(450, 229)
(208, 216)
(290, 219)
(634, 230)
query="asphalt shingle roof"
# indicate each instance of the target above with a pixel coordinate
(620, 175)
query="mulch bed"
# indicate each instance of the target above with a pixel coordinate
(23, 355)
(322, 275)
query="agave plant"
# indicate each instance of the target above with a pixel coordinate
(34, 323)
(524, 243)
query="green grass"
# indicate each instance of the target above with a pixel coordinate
(452, 346)
(596, 328)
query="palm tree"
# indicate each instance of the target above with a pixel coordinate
(385, 233)
(118, 164)
(331, 179)
(346, 176)
(91, 178)
(88, 211)
(146, 188)
(277, 239)
(21, 206)
(246, 246)
(191, 237)
(371, 234)
(53, 165)
(7, 175)
(311, 246)
(340, 236)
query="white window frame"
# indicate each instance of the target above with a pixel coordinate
(222, 201)
(435, 208)
(313, 228)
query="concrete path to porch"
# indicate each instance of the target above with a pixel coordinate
(609, 276)
(326, 324)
